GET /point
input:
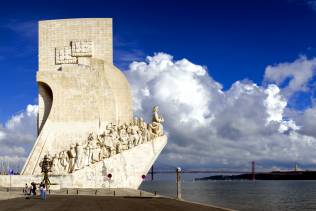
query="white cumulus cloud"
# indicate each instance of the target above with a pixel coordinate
(275, 103)
(293, 77)
(208, 126)
(17, 137)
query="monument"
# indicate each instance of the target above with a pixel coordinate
(85, 121)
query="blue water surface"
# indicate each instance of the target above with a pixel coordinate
(243, 195)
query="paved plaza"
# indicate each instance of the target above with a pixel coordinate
(96, 203)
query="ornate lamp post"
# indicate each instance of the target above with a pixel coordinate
(46, 166)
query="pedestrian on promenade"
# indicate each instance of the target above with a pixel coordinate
(33, 194)
(28, 192)
(25, 189)
(43, 191)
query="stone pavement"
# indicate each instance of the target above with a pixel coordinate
(98, 203)
(9, 195)
(96, 200)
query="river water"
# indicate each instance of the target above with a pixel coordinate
(243, 195)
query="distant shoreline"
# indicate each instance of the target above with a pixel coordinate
(274, 175)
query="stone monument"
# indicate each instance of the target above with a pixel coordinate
(85, 121)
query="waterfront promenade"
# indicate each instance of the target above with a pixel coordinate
(123, 200)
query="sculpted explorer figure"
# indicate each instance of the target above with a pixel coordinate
(64, 161)
(96, 150)
(103, 151)
(93, 150)
(79, 156)
(55, 164)
(72, 156)
(157, 121)
(114, 140)
(89, 150)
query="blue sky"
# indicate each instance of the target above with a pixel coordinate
(233, 39)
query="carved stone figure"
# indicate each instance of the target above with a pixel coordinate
(157, 121)
(123, 138)
(89, 150)
(86, 155)
(113, 140)
(151, 134)
(142, 123)
(64, 161)
(107, 145)
(103, 151)
(55, 164)
(72, 157)
(135, 121)
(79, 162)
(96, 150)
(143, 131)
(135, 138)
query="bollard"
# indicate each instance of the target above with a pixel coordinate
(49, 191)
(113, 193)
(67, 191)
(155, 193)
(77, 192)
(140, 193)
(96, 191)
(178, 183)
